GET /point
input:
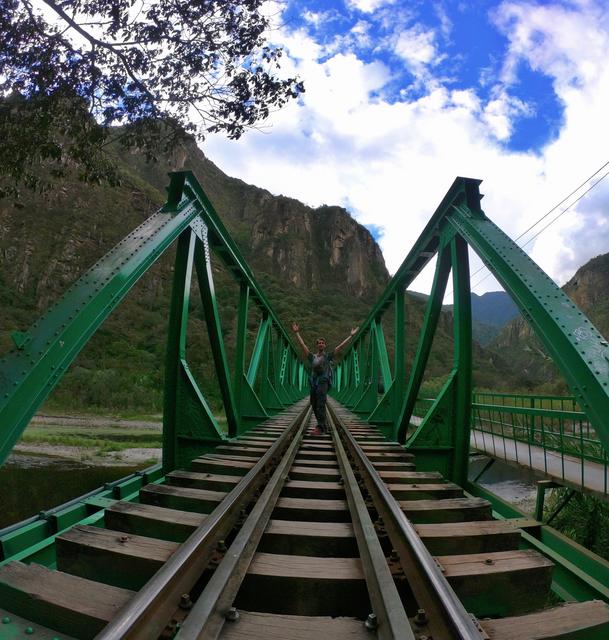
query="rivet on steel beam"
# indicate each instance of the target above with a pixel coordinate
(6, 620)
(371, 622)
(29, 631)
(232, 615)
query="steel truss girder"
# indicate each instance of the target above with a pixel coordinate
(576, 346)
(578, 349)
(29, 373)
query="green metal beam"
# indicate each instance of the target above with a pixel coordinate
(259, 347)
(240, 347)
(29, 373)
(203, 267)
(399, 378)
(425, 247)
(575, 345)
(185, 412)
(381, 354)
(430, 322)
(462, 331)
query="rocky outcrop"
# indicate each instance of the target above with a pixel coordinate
(518, 344)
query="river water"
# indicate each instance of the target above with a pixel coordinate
(516, 485)
(30, 484)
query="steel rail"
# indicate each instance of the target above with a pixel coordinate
(206, 619)
(150, 610)
(391, 620)
(447, 617)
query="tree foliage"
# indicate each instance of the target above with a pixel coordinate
(72, 71)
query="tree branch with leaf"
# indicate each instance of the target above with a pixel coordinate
(72, 72)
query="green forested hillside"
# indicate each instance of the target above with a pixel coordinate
(520, 349)
(317, 266)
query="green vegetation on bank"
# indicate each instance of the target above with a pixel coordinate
(585, 519)
(89, 441)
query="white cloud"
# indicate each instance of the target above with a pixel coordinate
(500, 113)
(393, 161)
(368, 6)
(416, 46)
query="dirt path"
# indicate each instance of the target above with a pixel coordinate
(95, 421)
(144, 456)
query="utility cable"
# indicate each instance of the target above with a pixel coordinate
(549, 223)
(544, 216)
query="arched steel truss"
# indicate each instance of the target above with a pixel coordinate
(441, 441)
(42, 354)
(29, 373)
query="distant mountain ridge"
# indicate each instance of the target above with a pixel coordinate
(490, 312)
(316, 266)
(518, 345)
(494, 308)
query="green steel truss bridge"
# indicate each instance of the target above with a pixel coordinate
(269, 530)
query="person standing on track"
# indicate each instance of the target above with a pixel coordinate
(320, 379)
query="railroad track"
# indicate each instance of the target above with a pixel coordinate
(286, 534)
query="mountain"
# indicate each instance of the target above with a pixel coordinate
(316, 265)
(490, 312)
(493, 308)
(589, 289)
(520, 348)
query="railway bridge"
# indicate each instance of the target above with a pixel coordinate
(267, 529)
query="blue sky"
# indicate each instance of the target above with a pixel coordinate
(403, 96)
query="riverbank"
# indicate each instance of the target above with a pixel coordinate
(94, 440)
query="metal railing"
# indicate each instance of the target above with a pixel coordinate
(547, 433)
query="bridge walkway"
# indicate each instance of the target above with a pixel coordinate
(569, 470)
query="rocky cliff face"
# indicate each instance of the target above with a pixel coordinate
(318, 266)
(589, 289)
(517, 343)
(311, 249)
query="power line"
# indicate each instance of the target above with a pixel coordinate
(553, 219)
(544, 216)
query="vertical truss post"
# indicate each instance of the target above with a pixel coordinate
(258, 351)
(383, 414)
(399, 377)
(383, 357)
(386, 412)
(268, 395)
(353, 390)
(462, 327)
(430, 322)
(214, 329)
(189, 427)
(242, 313)
(366, 401)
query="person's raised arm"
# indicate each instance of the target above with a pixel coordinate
(301, 342)
(346, 340)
